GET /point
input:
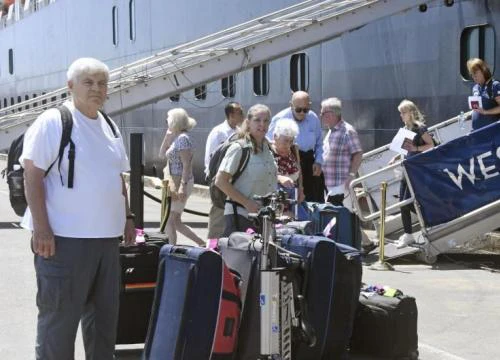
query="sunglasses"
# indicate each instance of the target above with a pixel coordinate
(301, 110)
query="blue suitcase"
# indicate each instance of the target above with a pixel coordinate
(333, 281)
(347, 229)
(185, 311)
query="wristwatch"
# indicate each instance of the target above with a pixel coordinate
(131, 216)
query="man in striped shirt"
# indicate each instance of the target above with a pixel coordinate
(342, 152)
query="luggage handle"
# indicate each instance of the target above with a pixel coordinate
(180, 251)
(135, 250)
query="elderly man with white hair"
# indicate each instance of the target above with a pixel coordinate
(77, 220)
(342, 151)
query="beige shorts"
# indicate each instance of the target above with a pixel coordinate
(178, 206)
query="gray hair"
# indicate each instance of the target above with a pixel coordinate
(334, 104)
(86, 66)
(179, 120)
(286, 127)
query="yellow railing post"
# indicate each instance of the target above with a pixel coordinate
(381, 264)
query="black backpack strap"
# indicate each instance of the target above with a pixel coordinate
(67, 127)
(110, 123)
(245, 157)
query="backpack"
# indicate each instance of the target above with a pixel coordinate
(217, 196)
(15, 172)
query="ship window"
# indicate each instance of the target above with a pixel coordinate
(299, 72)
(5, 103)
(228, 86)
(64, 96)
(11, 101)
(11, 61)
(175, 98)
(114, 15)
(35, 104)
(26, 98)
(261, 80)
(131, 19)
(200, 92)
(477, 42)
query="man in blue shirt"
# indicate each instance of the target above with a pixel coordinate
(309, 141)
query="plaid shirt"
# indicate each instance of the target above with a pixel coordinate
(338, 146)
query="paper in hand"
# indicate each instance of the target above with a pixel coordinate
(401, 141)
(475, 102)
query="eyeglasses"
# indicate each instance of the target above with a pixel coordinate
(301, 110)
(325, 112)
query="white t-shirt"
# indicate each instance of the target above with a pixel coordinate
(95, 206)
(217, 136)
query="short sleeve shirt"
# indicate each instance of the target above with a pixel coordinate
(287, 165)
(340, 144)
(95, 206)
(182, 142)
(258, 178)
(488, 93)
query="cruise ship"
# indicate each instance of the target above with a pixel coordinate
(419, 54)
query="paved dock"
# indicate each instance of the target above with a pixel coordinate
(458, 302)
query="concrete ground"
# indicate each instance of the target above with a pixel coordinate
(458, 301)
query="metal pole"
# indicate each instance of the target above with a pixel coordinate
(136, 181)
(381, 264)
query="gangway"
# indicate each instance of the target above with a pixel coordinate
(215, 56)
(462, 234)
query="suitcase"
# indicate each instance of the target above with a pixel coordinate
(196, 310)
(139, 267)
(386, 327)
(295, 227)
(241, 251)
(347, 227)
(333, 279)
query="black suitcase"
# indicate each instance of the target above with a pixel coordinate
(139, 264)
(333, 279)
(386, 327)
(190, 307)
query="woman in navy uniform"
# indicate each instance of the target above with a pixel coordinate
(489, 91)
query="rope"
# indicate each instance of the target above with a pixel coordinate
(193, 212)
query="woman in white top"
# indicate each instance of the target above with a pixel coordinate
(259, 176)
(178, 148)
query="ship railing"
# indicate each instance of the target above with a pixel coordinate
(466, 233)
(17, 10)
(375, 169)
